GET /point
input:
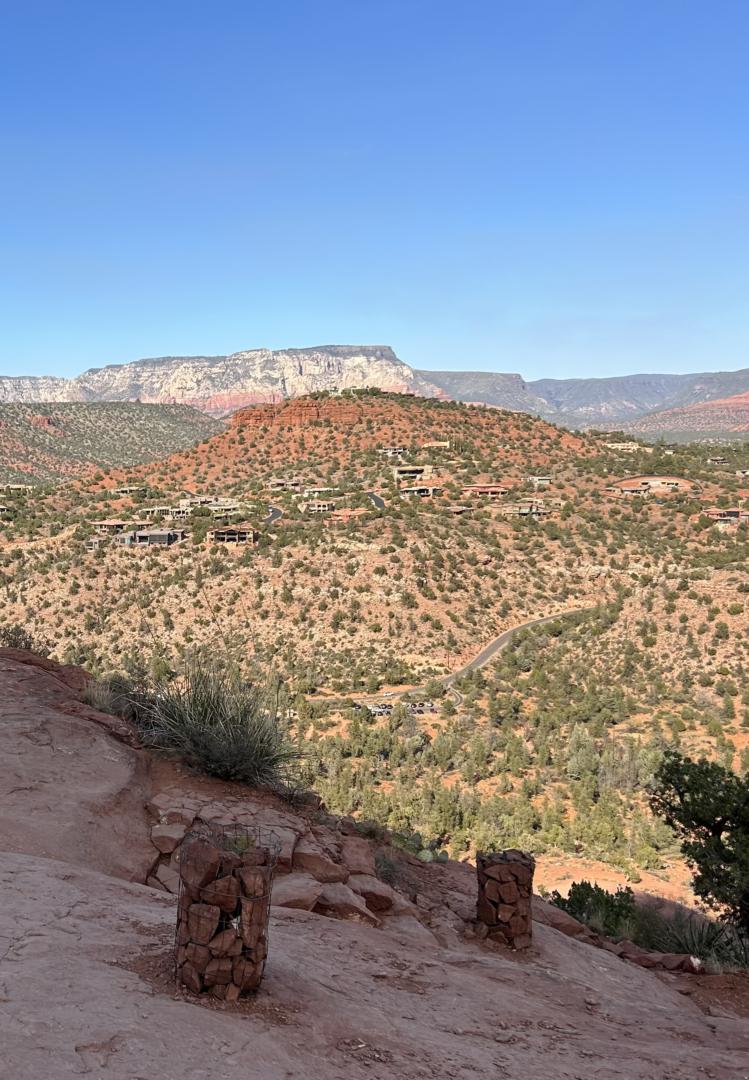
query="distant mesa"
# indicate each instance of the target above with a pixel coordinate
(647, 404)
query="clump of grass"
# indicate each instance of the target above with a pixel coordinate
(220, 724)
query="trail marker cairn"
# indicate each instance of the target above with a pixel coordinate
(222, 913)
(505, 880)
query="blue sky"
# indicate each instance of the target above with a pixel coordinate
(556, 187)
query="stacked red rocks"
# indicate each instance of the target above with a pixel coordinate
(504, 899)
(222, 914)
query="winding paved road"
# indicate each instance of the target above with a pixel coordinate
(494, 647)
(377, 501)
(274, 513)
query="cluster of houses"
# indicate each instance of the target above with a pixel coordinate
(651, 485)
(142, 533)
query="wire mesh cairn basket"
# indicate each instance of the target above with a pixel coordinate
(226, 874)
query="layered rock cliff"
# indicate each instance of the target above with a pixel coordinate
(221, 384)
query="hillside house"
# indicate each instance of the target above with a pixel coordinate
(285, 484)
(151, 537)
(524, 508)
(18, 489)
(224, 508)
(717, 461)
(243, 533)
(727, 516)
(650, 485)
(152, 512)
(742, 473)
(190, 501)
(487, 491)
(420, 491)
(629, 448)
(318, 506)
(392, 451)
(436, 445)
(538, 481)
(412, 472)
(112, 526)
(95, 542)
(129, 489)
(315, 491)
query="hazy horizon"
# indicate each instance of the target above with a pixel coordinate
(290, 348)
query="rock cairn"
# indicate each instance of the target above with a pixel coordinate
(222, 913)
(505, 881)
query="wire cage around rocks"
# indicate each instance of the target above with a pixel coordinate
(505, 891)
(226, 875)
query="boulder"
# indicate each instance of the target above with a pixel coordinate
(311, 859)
(357, 855)
(167, 876)
(254, 880)
(218, 971)
(202, 921)
(198, 955)
(340, 902)
(167, 837)
(287, 838)
(200, 863)
(226, 943)
(377, 895)
(223, 892)
(296, 891)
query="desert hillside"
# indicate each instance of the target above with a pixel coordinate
(396, 565)
(387, 981)
(44, 443)
(719, 418)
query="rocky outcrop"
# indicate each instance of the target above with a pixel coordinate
(221, 384)
(86, 958)
(71, 788)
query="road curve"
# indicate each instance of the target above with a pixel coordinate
(377, 501)
(274, 513)
(497, 645)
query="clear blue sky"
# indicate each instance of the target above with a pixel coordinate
(556, 187)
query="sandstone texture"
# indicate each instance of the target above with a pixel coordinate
(352, 988)
(221, 384)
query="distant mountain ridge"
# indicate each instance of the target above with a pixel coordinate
(717, 418)
(219, 385)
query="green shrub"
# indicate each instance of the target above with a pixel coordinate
(618, 915)
(15, 636)
(602, 911)
(220, 724)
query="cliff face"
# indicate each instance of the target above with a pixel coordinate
(221, 384)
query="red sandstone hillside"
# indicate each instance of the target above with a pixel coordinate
(725, 416)
(320, 430)
(86, 946)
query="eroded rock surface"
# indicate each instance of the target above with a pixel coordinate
(354, 988)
